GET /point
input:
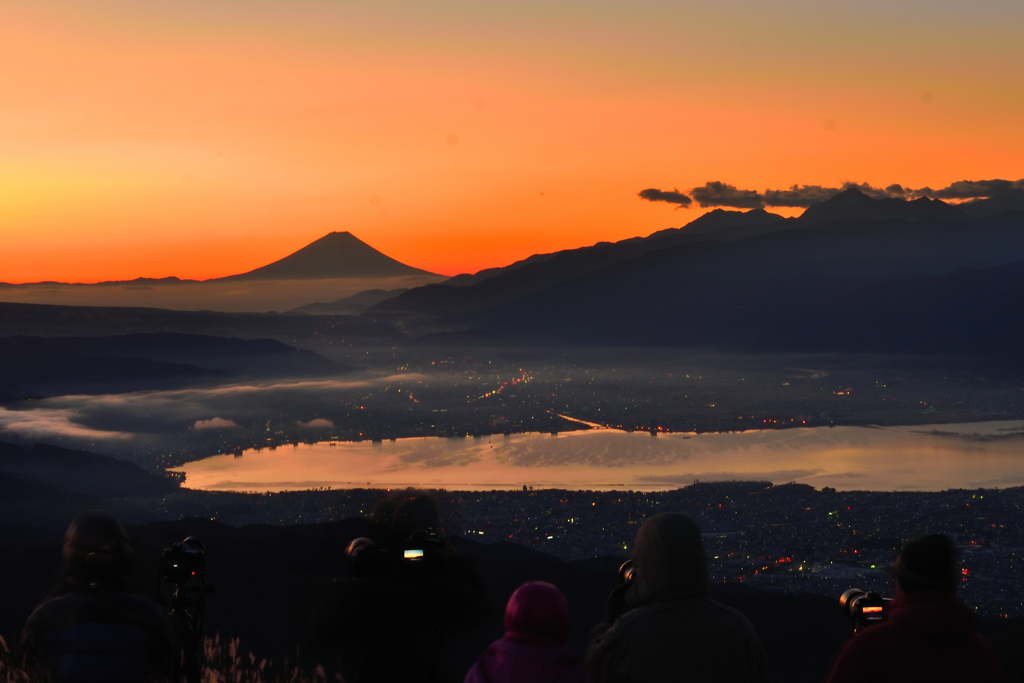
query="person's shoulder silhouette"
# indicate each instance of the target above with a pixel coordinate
(92, 630)
(406, 589)
(927, 634)
(661, 624)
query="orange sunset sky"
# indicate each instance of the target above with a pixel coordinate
(201, 139)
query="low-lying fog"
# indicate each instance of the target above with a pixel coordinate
(402, 392)
(217, 295)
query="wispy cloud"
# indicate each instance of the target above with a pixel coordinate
(51, 424)
(318, 423)
(674, 197)
(975, 189)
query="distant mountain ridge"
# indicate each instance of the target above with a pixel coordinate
(538, 273)
(852, 204)
(334, 267)
(52, 365)
(843, 221)
(335, 255)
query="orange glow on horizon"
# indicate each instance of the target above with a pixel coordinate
(200, 141)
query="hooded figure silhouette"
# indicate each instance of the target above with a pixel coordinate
(534, 645)
(662, 626)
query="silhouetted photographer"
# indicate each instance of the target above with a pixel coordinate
(92, 630)
(660, 623)
(407, 589)
(926, 633)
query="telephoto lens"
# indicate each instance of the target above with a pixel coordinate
(626, 572)
(863, 608)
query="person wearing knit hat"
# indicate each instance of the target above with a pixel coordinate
(534, 645)
(662, 625)
(928, 634)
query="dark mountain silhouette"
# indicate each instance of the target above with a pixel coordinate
(746, 294)
(967, 311)
(350, 305)
(81, 472)
(44, 487)
(838, 231)
(26, 500)
(741, 223)
(538, 274)
(52, 321)
(139, 282)
(335, 255)
(47, 365)
(725, 225)
(33, 366)
(854, 205)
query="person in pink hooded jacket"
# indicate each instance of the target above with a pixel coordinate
(534, 645)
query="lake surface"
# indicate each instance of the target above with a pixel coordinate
(928, 458)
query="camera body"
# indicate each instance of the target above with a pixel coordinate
(864, 608)
(413, 555)
(421, 545)
(184, 561)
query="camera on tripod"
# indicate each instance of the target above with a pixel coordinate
(183, 561)
(864, 608)
(184, 565)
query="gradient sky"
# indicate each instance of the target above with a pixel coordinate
(203, 139)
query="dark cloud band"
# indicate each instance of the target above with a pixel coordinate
(674, 197)
(717, 193)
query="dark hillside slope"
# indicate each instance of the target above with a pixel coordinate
(47, 365)
(81, 472)
(723, 224)
(63, 321)
(899, 237)
(738, 295)
(967, 311)
(536, 275)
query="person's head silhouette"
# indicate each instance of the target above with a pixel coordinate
(537, 613)
(668, 559)
(403, 513)
(926, 562)
(96, 552)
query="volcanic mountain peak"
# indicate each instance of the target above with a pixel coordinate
(335, 255)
